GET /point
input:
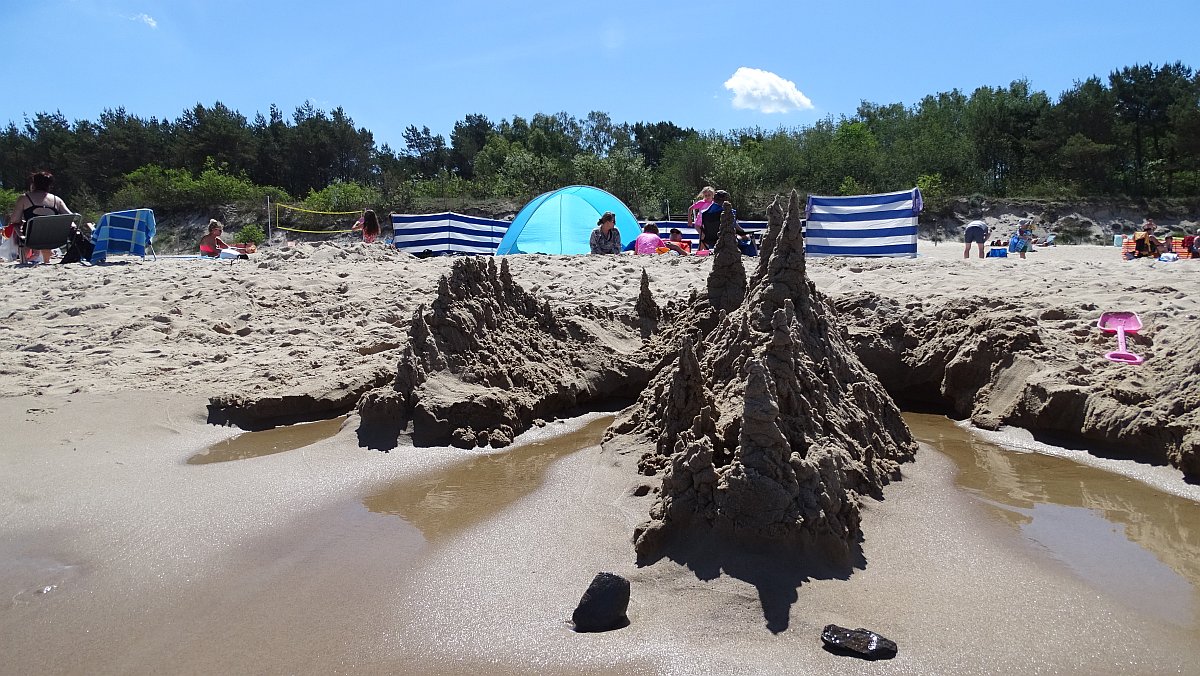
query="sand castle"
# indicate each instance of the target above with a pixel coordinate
(766, 424)
(486, 360)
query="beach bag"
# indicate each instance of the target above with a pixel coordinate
(1169, 257)
(8, 249)
(79, 249)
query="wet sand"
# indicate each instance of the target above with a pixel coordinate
(1110, 528)
(331, 558)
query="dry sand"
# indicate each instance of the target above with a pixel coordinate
(335, 558)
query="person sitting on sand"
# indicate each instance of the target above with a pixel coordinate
(606, 239)
(1145, 244)
(650, 243)
(678, 240)
(38, 201)
(212, 245)
(1192, 244)
(368, 225)
(976, 232)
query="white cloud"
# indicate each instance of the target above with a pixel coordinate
(765, 92)
(146, 19)
(612, 37)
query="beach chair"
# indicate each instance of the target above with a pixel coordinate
(124, 232)
(46, 232)
(1049, 241)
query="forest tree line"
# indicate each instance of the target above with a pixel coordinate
(1135, 135)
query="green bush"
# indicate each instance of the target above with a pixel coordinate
(8, 199)
(153, 187)
(251, 232)
(934, 194)
(342, 196)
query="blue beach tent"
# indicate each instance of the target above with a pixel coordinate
(561, 222)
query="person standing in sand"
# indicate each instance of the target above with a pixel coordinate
(1019, 242)
(703, 201)
(38, 201)
(976, 233)
(710, 223)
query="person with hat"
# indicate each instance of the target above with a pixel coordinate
(1145, 244)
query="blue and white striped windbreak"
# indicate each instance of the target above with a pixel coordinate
(447, 233)
(863, 225)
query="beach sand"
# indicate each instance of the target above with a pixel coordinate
(120, 556)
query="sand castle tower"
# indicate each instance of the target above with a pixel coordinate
(766, 425)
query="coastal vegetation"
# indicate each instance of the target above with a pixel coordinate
(1134, 135)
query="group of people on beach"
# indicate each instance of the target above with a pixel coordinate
(1020, 242)
(1147, 245)
(704, 216)
(213, 246)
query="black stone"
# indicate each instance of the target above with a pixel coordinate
(603, 605)
(859, 642)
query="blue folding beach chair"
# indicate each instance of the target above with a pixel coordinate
(124, 232)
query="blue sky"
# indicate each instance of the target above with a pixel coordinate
(705, 65)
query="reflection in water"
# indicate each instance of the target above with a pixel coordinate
(1132, 541)
(442, 504)
(267, 442)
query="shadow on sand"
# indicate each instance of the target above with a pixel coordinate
(775, 570)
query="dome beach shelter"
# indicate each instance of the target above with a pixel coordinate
(561, 222)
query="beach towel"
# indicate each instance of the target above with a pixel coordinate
(129, 232)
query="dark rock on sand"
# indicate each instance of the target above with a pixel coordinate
(860, 642)
(603, 605)
(766, 425)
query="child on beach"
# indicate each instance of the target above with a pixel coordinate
(1019, 242)
(650, 243)
(368, 225)
(704, 201)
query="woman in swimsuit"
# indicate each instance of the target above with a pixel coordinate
(38, 202)
(211, 244)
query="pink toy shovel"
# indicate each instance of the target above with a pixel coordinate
(1121, 323)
